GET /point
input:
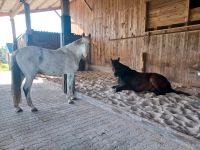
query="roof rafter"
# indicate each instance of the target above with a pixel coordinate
(4, 14)
(2, 3)
(41, 4)
(55, 2)
(16, 7)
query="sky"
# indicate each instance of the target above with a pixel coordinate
(43, 21)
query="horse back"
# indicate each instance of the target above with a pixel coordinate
(33, 59)
(28, 59)
(137, 81)
(146, 81)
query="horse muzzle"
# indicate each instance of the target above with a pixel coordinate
(115, 73)
(83, 57)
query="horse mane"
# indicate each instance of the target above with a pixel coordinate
(78, 47)
(77, 42)
(66, 48)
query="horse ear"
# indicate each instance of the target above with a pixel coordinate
(118, 58)
(89, 35)
(83, 34)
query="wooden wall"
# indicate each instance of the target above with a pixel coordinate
(118, 30)
(159, 12)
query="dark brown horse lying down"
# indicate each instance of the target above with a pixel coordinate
(132, 80)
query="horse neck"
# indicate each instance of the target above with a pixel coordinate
(126, 70)
(77, 50)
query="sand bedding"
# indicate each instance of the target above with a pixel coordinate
(179, 112)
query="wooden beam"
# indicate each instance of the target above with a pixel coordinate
(87, 5)
(144, 60)
(48, 4)
(41, 4)
(2, 14)
(39, 10)
(16, 8)
(45, 9)
(55, 3)
(57, 13)
(65, 21)
(66, 31)
(13, 28)
(188, 12)
(27, 17)
(35, 4)
(194, 14)
(2, 3)
(162, 32)
(65, 7)
(13, 33)
(28, 23)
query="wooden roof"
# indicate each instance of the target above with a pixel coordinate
(14, 7)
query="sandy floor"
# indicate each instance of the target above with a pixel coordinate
(179, 112)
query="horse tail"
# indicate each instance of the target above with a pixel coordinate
(180, 92)
(17, 78)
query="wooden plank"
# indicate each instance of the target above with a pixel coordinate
(2, 14)
(56, 4)
(42, 4)
(36, 4)
(13, 33)
(195, 14)
(118, 29)
(2, 3)
(188, 12)
(87, 5)
(47, 4)
(27, 17)
(17, 8)
(164, 13)
(8, 5)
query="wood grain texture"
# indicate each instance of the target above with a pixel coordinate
(118, 30)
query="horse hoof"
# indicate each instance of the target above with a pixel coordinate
(73, 98)
(117, 90)
(70, 102)
(34, 109)
(18, 110)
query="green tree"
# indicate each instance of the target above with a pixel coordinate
(3, 53)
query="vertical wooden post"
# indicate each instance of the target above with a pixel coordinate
(65, 31)
(144, 59)
(65, 22)
(187, 19)
(28, 23)
(13, 33)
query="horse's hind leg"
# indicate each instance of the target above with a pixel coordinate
(27, 90)
(70, 87)
(156, 91)
(156, 88)
(17, 97)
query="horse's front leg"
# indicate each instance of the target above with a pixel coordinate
(122, 87)
(70, 87)
(115, 86)
(120, 83)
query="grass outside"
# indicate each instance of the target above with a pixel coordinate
(4, 67)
